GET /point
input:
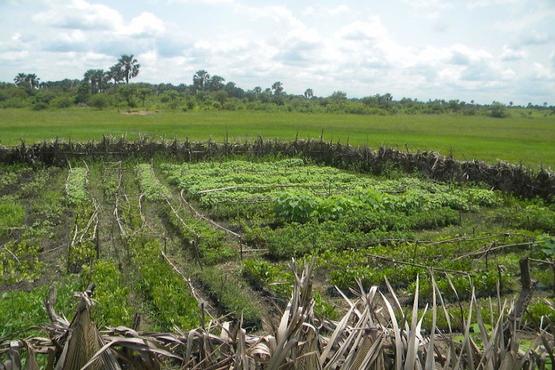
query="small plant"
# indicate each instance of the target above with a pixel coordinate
(547, 245)
(76, 186)
(111, 295)
(295, 206)
(231, 296)
(12, 214)
(166, 290)
(150, 185)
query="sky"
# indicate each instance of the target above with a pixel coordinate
(481, 50)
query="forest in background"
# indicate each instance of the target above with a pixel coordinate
(104, 89)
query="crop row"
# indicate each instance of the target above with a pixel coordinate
(291, 208)
(207, 243)
(82, 249)
(29, 219)
(165, 289)
(347, 221)
(231, 295)
(149, 184)
(112, 306)
(402, 263)
(277, 280)
(21, 312)
(208, 246)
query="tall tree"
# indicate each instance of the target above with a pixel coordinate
(277, 87)
(33, 81)
(200, 80)
(215, 83)
(129, 67)
(29, 81)
(20, 80)
(96, 78)
(308, 93)
(115, 74)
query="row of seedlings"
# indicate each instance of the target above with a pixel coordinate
(209, 247)
(83, 247)
(30, 219)
(112, 292)
(40, 204)
(165, 289)
(354, 225)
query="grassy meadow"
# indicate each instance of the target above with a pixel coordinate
(517, 139)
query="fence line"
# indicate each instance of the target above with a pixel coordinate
(516, 179)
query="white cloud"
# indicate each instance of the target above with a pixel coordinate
(13, 55)
(534, 37)
(542, 72)
(510, 55)
(464, 55)
(146, 24)
(327, 10)
(80, 14)
(486, 3)
(340, 46)
(206, 2)
(429, 8)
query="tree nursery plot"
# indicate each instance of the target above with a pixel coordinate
(171, 244)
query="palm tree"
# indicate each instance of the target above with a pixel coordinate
(20, 79)
(277, 87)
(97, 80)
(88, 78)
(200, 79)
(128, 66)
(33, 81)
(115, 74)
(308, 93)
(29, 81)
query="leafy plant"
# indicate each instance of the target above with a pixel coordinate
(231, 296)
(149, 184)
(111, 294)
(295, 206)
(166, 290)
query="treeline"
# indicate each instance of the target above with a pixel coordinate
(112, 88)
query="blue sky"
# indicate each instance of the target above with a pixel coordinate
(473, 49)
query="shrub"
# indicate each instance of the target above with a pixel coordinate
(14, 102)
(497, 110)
(40, 105)
(99, 101)
(62, 102)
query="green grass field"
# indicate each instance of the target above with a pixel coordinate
(516, 139)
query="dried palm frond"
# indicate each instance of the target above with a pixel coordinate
(374, 333)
